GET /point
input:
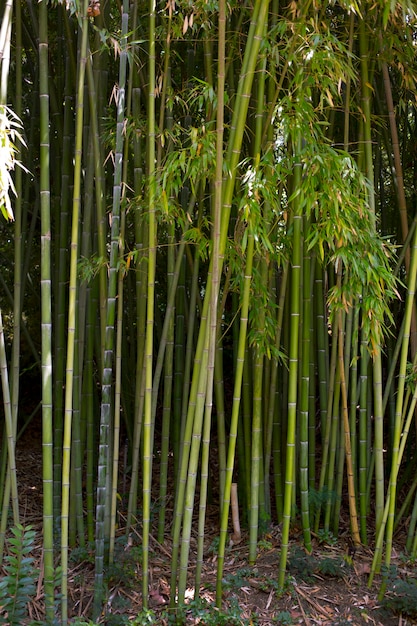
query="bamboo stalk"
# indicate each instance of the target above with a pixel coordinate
(46, 321)
(73, 288)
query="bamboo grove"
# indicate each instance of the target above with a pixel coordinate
(208, 267)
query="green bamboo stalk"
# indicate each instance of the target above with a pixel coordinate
(150, 320)
(219, 387)
(232, 156)
(364, 457)
(141, 238)
(258, 407)
(256, 457)
(69, 379)
(353, 391)
(272, 399)
(366, 95)
(215, 283)
(295, 311)
(334, 413)
(46, 318)
(278, 451)
(398, 436)
(323, 367)
(167, 113)
(404, 429)
(88, 408)
(304, 402)
(192, 464)
(237, 390)
(327, 466)
(117, 392)
(10, 434)
(76, 519)
(61, 286)
(348, 449)
(167, 398)
(18, 260)
(103, 491)
(5, 39)
(180, 379)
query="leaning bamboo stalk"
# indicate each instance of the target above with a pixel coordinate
(235, 417)
(192, 467)
(411, 288)
(215, 282)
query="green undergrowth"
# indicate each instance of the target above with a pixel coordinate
(199, 611)
(401, 594)
(18, 585)
(19, 582)
(303, 566)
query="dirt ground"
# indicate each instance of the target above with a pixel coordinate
(327, 588)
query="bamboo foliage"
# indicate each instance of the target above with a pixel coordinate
(220, 198)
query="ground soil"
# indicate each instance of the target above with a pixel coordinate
(314, 595)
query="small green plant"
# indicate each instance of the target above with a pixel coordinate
(125, 563)
(301, 564)
(283, 618)
(205, 614)
(326, 536)
(264, 544)
(335, 567)
(144, 618)
(214, 546)
(117, 620)
(402, 597)
(209, 615)
(82, 554)
(237, 580)
(18, 584)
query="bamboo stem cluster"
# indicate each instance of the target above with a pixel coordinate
(208, 195)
